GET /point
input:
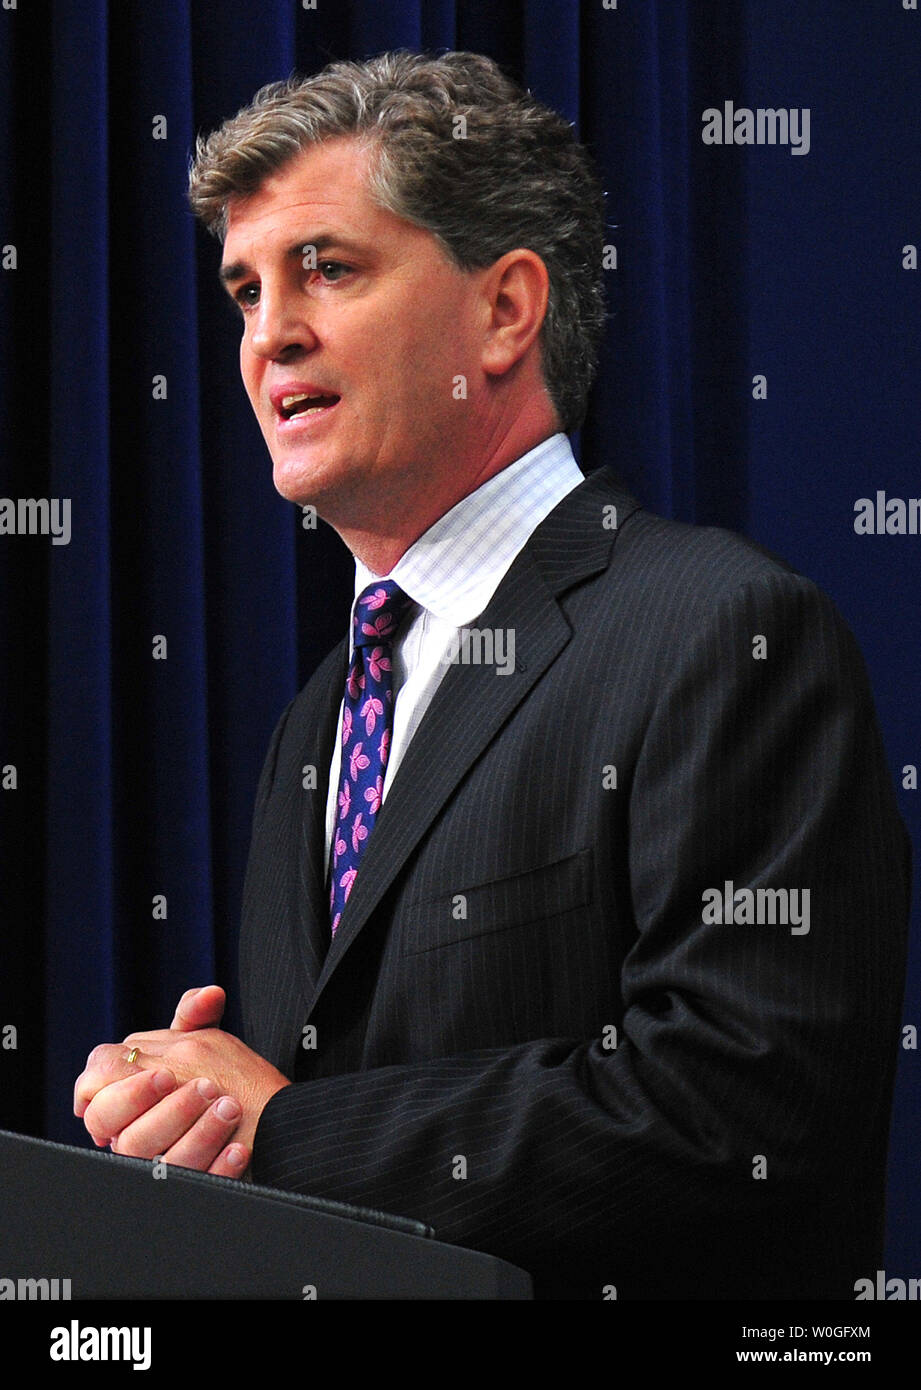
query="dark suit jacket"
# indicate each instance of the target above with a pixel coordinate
(515, 915)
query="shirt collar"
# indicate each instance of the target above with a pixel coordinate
(455, 567)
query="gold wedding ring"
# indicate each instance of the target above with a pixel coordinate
(133, 1056)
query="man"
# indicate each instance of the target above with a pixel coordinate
(575, 914)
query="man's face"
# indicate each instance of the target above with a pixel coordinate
(374, 335)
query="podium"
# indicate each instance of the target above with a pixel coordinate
(127, 1228)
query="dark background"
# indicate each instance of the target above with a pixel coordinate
(135, 776)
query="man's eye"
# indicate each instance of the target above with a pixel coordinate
(332, 270)
(247, 297)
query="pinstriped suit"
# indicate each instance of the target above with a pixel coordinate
(483, 1031)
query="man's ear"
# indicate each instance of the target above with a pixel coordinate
(515, 288)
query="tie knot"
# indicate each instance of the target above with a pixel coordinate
(378, 613)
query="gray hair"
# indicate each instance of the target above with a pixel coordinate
(462, 152)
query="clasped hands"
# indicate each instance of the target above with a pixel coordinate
(189, 1091)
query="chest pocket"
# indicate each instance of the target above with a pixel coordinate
(480, 909)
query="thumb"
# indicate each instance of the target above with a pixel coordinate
(201, 1007)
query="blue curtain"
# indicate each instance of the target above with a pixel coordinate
(146, 661)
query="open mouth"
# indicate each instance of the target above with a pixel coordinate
(289, 407)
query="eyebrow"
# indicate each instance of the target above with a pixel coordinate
(239, 270)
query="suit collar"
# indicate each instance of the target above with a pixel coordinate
(575, 540)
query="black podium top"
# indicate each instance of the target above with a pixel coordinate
(119, 1227)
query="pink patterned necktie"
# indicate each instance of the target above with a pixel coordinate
(367, 723)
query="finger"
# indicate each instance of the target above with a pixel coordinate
(199, 1008)
(147, 1045)
(105, 1065)
(156, 1132)
(232, 1162)
(118, 1105)
(201, 1145)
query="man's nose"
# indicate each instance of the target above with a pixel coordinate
(279, 325)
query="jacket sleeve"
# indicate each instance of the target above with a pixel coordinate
(744, 1109)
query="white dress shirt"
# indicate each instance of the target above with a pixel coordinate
(451, 572)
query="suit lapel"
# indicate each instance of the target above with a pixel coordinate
(470, 706)
(312, 917)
